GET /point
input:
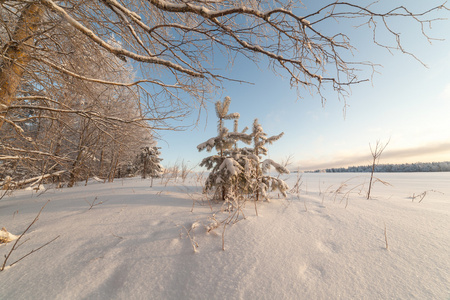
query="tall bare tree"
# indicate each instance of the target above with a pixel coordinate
(16, 53)
(65, 123)
(174, 40)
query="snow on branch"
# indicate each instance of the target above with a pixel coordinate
(230, 166)
(274, 138)
(209, 145)
(107, 82)
(115, 50)
(183, 37)
(267, 163)
(232, 116)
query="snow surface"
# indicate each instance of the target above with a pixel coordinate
(315, 245)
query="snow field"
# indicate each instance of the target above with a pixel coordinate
(310, 246)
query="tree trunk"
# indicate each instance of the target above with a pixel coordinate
(17, 55)
(144, 172)
(257, 172)
(112, 173)
(100, 172)
(75, 168)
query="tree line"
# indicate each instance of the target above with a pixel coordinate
(413, 167)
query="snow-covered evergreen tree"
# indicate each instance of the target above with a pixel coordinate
(236, 171)
(148, 162)
(261, 182)
(224, 169)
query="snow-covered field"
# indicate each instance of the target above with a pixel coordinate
(319, 244)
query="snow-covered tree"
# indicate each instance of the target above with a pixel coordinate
(224, 169)
(59, 123)
(235, 170)
(260, 181)
(180, 39)
(149, 162)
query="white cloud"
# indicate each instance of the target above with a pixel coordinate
(437, 151)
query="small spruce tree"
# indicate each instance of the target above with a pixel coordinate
(149, 164)
(224, 169)
(237, 170)
(262, 182)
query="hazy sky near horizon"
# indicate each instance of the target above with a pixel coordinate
(406, 104)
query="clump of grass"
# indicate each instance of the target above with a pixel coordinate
(185, 171)
(298, 184)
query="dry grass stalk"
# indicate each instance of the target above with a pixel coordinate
(237, 206)
(385, 237)
(6, 188)
(200, 182)
(213, 224)
(342, 189)
(168, 174)
(376, 154)
(223, 236)
(91, 205)
(421, 196)
(34, 250)
(381, 181)
(3, 194)
(347, 194)
(189, 235)
(234, 207)
(196, 197)
(175, 172)
(320, 189)
(167, 179)
(326, 191)
(339, 190)
(185, 171)
(298, 183)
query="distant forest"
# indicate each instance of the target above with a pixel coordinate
(416, 167)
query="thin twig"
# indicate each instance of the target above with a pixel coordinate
(34, 250)
(14, 247)
(91, 205)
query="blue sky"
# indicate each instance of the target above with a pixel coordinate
(407, 103)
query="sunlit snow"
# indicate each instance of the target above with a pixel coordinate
(325, 242)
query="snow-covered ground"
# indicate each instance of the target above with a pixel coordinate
(318, 244)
